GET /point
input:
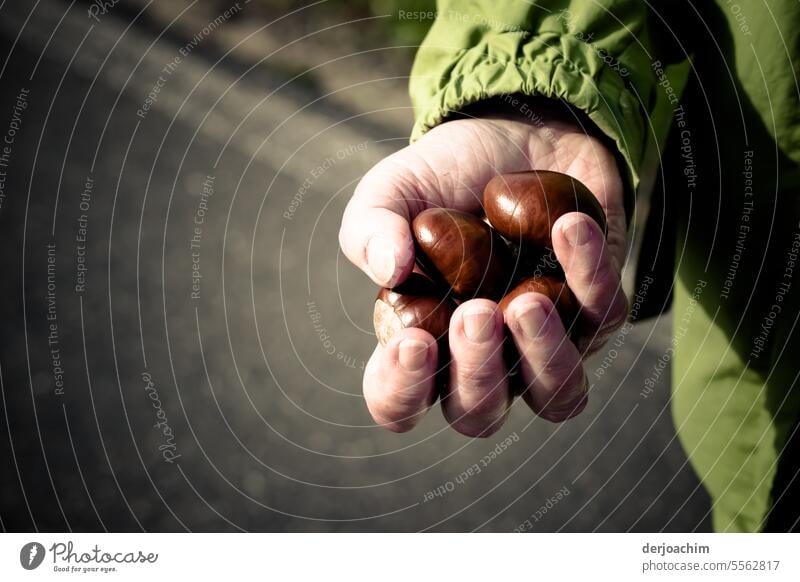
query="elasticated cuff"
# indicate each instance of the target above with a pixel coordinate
(552, 65)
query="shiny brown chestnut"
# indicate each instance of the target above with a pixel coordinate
(414, 303)
(523, 206)
(464, 251)
(554, 289)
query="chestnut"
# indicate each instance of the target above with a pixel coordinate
(523, 206)
(464, 251)
(416, 302)
(555, 289)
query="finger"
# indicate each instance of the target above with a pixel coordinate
(555, 383)
(478, 396)
(399, 379)
(592, 275)
(376, 234)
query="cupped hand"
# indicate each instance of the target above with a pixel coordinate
(449, 167)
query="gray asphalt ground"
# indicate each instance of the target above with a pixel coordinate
(188, 356)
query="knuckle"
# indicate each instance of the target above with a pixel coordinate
(479, 376)
(392, 417)
(560, 408)
(481, 420)
(564, 413)
(607, 319)
(566, 374)
(618, 312)
(598, 274)
(477, 429)
(490, 405)
(397, 408)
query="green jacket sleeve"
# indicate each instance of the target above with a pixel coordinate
(593, 54)
(732, 185)
(736, 393)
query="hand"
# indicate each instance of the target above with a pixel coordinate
(448, 167)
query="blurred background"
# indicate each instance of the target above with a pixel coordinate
(182, 341)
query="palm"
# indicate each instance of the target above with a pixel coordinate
(451, 164)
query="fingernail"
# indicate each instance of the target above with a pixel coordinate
(578, 233)
(531, 320)
(380, 257)
(412, 354)
(479, 324)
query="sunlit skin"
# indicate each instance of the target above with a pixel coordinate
(449, 168)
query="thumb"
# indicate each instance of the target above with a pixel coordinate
(375, 234)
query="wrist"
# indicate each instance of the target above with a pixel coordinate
(539, 111)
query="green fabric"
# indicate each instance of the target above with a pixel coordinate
(478, 49)
(735, 396)
(616, 61)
